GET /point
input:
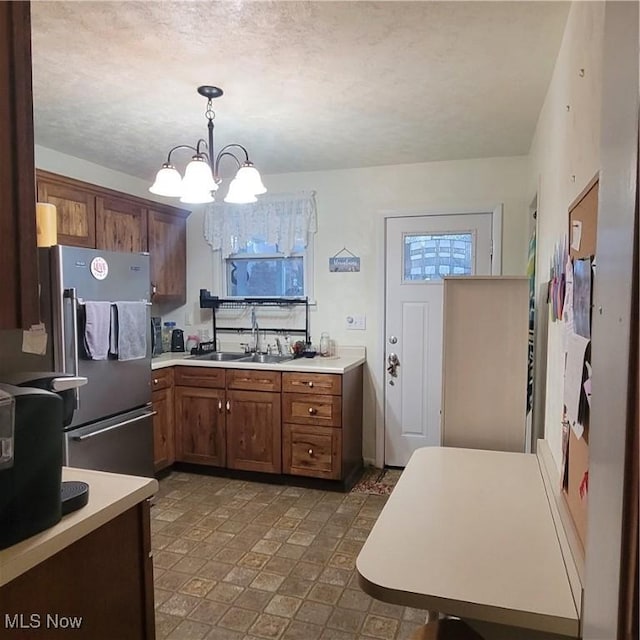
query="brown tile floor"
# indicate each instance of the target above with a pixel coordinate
(238, 560)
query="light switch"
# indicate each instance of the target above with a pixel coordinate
(356, 321)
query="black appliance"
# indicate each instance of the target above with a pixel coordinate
(31, 452)
(177, 340)
(156, 336)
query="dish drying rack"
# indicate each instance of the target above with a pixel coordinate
(207, 301)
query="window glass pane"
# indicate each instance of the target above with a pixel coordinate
(277, 276)
(259, 246)
(429, 257)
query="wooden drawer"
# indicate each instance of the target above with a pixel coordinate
(161, 379)
(312, 451)
(200, 377)
(306, 408)
(297, 382)
(250, 380)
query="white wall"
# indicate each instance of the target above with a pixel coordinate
(350, 203)
(65, 165)
(564, 157)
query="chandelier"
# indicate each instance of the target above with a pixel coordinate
(201, 177)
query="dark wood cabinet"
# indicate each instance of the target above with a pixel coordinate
(167, 235)
(163, 420)
(312, 451)
(121, 225)
(108, 570)
(200, 425)
(240, 419)
(99, 218)
(322, 430)
(218, 422)
(75, 211)
(253, 431)
(18, 258)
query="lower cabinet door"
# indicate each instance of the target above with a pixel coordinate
(200, 425)
(253, 431)
(163, 433)
(312, 451)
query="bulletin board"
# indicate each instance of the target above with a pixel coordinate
(583, 219)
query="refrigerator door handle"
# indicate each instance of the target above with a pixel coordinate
(72, 295)
(92, 434)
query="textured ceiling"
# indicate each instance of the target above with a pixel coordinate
(308, 85)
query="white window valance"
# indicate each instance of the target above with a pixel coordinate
(285, 219)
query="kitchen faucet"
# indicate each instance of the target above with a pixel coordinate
(255, 332)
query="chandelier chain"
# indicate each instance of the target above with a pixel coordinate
(210, 114)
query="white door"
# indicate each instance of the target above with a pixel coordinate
(420, 250)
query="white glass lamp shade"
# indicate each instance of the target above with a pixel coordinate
(198, 177)
(250, 176)
(239, 193)
(196, 196)
(168, 182)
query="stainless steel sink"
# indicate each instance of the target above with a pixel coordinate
(221, 356)
(265, 358)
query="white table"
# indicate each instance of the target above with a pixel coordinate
(470, 533)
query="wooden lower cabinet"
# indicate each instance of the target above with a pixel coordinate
(240, 419)
(253, 431)
(200, 426)
(312, 451)
(163, 420)
(322, 431)
(105, 578)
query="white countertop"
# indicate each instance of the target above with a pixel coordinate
(470, 533)
(348, 358)
(110, 494)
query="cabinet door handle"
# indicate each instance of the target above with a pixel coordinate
(219, 405)
(228, 406)
(312, 410)
(310, 452)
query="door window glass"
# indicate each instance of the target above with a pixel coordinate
(430, 257)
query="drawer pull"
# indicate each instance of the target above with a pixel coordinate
(310, 383)
(310, 452)
(312, 411)
(155, 381)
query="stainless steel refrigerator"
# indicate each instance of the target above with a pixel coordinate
(112, 426)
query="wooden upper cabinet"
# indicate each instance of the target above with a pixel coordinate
(18, 258)
(167, 251)
(121, 225)
(99, 218)
(75, 212)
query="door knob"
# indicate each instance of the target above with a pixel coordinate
(392, 365)
(393, 340)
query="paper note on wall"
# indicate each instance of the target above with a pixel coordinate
(576, 348)
(567, 307)
(35, 340)
(576, 234)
